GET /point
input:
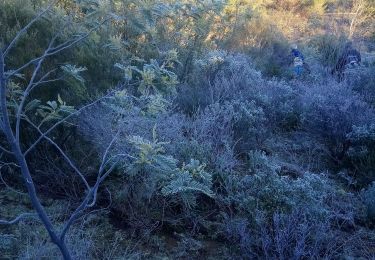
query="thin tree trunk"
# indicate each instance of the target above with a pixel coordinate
(16, 149)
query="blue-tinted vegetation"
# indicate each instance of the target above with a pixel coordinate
(182, 129)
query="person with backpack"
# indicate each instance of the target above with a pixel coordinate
(298, 61)
(350, 58)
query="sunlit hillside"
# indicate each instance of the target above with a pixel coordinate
(165, 129)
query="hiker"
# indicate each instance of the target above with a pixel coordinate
(350, 58)
(298, 61)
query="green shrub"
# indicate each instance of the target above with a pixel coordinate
(329, 47)
(157, 187)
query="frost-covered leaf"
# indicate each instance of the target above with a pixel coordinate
(74, 72)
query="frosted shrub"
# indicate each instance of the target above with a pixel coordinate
(361, 154)
(154, 178)
(231, 157)
(283, 217)
(233, 127)
(218, 77)
(331, 111)
(369, 199)
(362, 81)
(280, 102)
(237, 79)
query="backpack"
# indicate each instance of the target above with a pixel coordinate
(352, 60)
(298, 61)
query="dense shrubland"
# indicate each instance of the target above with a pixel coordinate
(212, 147)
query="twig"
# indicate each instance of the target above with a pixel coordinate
(5, 150)
(5, 183)
(62, 121)
(55, 50)
(67, 159)
(24, 29)
(18, 219)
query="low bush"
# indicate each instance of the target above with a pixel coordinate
(331, 111)
(239, 163)
(361, 80)
(369, 199)
(361, 154)
(329, 48)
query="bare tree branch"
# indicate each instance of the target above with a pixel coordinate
(48, 81)
(93, 191)
(28, 89)
(5, 183)
(24, 29)
(84, 205)
(75, 215)
(5, 150)
(72, 220)
(67, 159)
(55, 50)
(100, 180)
(19, 218)
(100, 177)
(41, 81)
(13, 137)
(62, 121)
(104, 158)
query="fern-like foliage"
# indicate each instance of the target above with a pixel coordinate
(155, 77)
(148, 151)
(153, 105)
(52, 111)
(161, 173)
(74, 72)
(188, 181)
